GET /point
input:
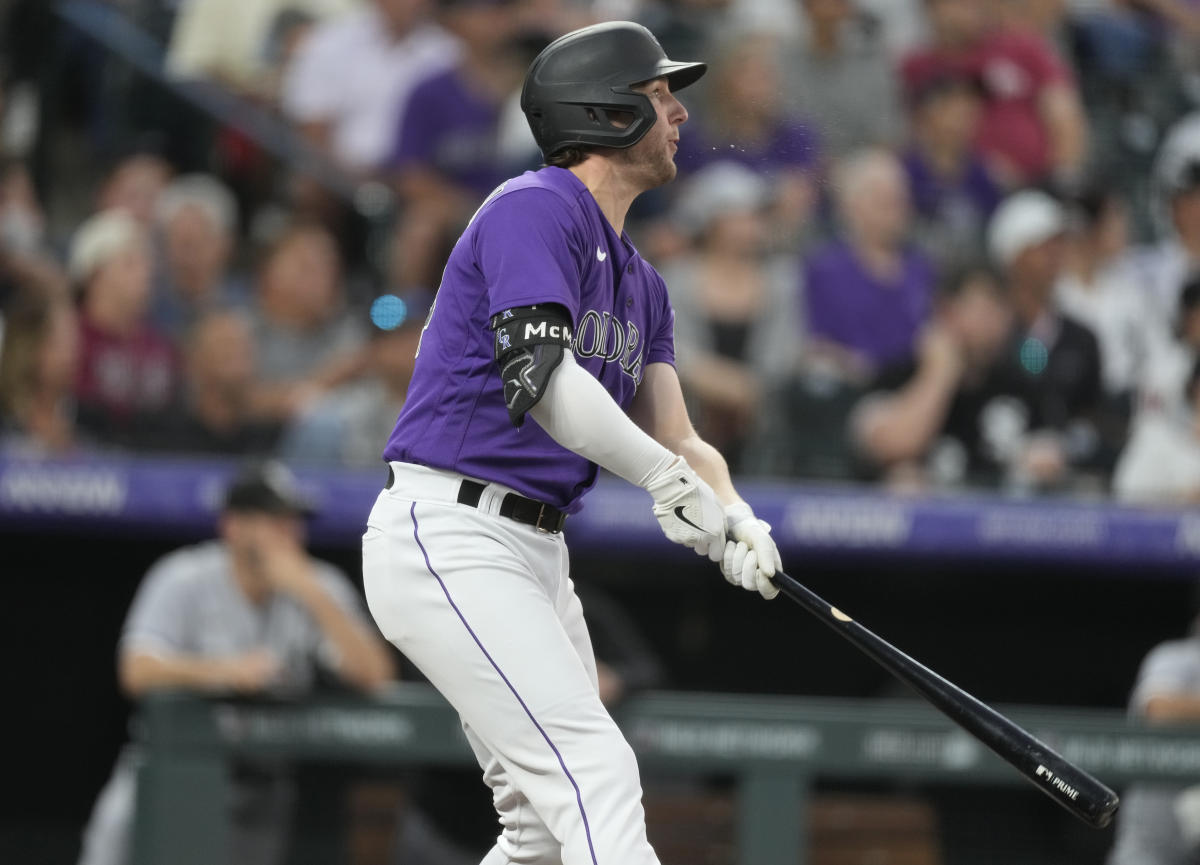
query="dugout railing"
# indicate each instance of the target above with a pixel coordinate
(774, 747)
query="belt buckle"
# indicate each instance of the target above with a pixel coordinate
(541, 513)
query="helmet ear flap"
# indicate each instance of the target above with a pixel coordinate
(611, 118)
(617, 118)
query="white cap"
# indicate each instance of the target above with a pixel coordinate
(101, 237)
(1024, 219)
(198, 190)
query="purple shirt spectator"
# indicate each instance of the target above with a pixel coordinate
(934, 198)
(791, 145)
(452, 129)
(849, 305)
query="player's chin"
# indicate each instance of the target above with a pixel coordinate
(666, 172)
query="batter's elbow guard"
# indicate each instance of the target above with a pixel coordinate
(530, 343)
(526, 374)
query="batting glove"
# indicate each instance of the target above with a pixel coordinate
(687, 508)
(750, 558)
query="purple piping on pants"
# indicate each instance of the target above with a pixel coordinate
(578, 796)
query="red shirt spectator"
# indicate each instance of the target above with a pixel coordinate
(1032, 126)
(123, 374)
(126, 368)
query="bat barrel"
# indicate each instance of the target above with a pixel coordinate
(1073, 788)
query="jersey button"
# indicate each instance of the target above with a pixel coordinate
(629, 269)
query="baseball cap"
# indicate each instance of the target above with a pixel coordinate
(99, 239)
(1024, 219)
(268, 487)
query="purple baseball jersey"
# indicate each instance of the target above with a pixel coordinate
(539, 238)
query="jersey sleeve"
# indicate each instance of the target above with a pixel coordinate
(529, 251)
(157, 622)
(660, 345)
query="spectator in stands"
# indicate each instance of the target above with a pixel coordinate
(197, 221)
(1056, 359)
(901, 24)
(931, 418)
(745, 121)
(349, 83)
(216, 410)
(1049, 19)
(39, 354)
(351, 424)
(247, 614)
(1163, 268)
(446, 154)
(306, 339)
(688, 28)
(868, 292)
(227, 41)
(737, 322)
(127, 368)
(134, 185)
(1161, 462)
(1099, 289)
(838, 78)
(1032, 128)
(1159, 824)
(952, 190)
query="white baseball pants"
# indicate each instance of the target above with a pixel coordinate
(484, 607)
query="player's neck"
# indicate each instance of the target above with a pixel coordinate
(609, 187)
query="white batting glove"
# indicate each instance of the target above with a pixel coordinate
(687, 509)
(751, 557)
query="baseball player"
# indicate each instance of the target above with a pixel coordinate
(547, 355)
(248, 613)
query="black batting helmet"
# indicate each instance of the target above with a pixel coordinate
(579, 78)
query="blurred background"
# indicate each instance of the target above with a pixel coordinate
(935, 272)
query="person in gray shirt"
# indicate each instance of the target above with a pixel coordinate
(1160, 824)
(838, 77)
(248, 613)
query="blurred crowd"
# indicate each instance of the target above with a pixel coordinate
(924, 243)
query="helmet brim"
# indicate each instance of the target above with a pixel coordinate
(678, 75)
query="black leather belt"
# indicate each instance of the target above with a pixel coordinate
(543, 517)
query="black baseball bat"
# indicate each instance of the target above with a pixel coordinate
(1068, 785)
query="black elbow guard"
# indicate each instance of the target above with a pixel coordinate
(529, 346)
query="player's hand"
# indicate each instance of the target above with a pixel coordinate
(247, 673)
(687, 509)
(750, 556)
(281, 559)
